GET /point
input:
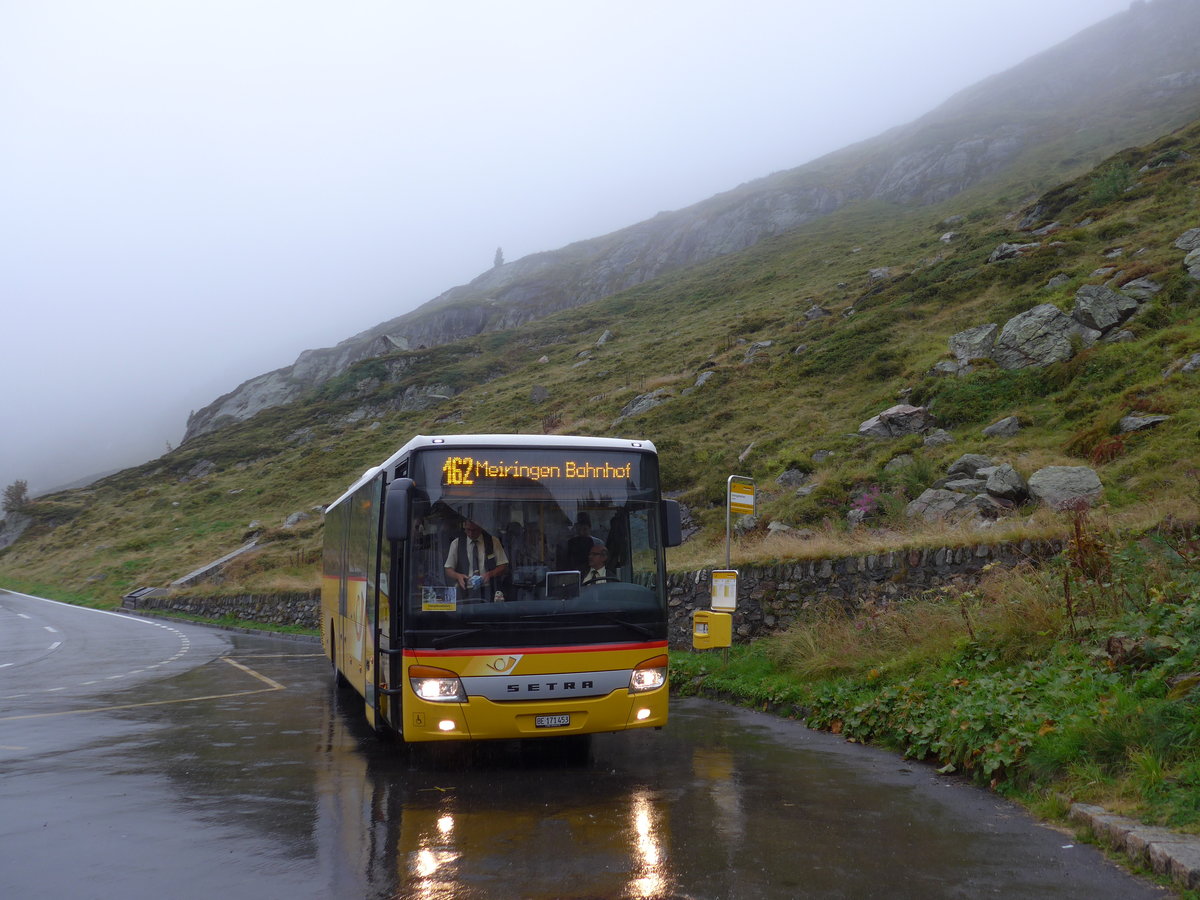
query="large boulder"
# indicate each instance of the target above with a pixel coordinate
(1011, 251)
(1100, 309)
(898, 421)
(1062, 486)
(1139, 423)
(1006, 483)
(969, 465)
(974, 343)
(939, 437)
(1039, 337)
(1006, 427)
(642, 403)
(1189, 240)
(1141, 289)
(936, 504)
(1192, 263)
(793, 478)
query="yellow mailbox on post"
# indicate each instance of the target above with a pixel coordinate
(711, 629)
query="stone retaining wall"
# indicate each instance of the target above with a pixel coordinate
(769, 597)
(299, 608)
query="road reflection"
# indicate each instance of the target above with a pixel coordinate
(649, 880)
(509, 819)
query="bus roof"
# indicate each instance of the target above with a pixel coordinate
(530, 441)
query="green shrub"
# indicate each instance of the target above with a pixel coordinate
(985, 394)
(1111, 183)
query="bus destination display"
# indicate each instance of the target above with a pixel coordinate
(469, 470)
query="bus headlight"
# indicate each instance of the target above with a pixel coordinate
(649, 675)
(436, 685)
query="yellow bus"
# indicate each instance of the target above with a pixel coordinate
(480, 587)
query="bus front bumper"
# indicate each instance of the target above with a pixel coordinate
(480, 719)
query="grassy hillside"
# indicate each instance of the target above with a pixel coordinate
(773, 407)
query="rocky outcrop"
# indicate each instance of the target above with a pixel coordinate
(1045, 335)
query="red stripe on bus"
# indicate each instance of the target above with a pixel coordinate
(588, 648)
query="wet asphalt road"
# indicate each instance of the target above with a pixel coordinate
(144, 759)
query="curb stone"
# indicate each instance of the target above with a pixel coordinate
(1163, 851)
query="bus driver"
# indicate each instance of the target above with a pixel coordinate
(475, 562)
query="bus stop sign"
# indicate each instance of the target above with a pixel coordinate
(741, 495)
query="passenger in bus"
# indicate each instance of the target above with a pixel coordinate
(477, 563)
(597, 566)
(578, 546)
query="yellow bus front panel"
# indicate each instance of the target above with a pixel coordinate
(537, 692)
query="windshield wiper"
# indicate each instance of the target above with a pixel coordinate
(632, 626)
(592, 614)
(447, 639)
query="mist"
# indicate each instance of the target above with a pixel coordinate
(196, 192)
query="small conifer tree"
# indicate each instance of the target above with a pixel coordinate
(16, 496)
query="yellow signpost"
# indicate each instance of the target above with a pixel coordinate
(739, 493)
(724, 589)
(741, 496)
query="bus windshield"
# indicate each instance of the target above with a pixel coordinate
(533, 547)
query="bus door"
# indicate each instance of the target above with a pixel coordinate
(399, 532)
(389, 646)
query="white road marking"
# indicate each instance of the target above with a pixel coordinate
(185, 643)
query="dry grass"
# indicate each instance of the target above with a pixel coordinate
(827, 643)
(833, 541)
(661, 381)
(1017, 608)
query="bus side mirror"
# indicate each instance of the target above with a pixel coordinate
(397, 509)
(672, 524)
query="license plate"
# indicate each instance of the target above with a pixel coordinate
(551, 721)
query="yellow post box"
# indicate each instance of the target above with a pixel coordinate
(711, 629)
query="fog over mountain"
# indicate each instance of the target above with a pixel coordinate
(198, 192)
(1060, 107)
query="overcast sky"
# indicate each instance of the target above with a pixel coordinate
(192, 192)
